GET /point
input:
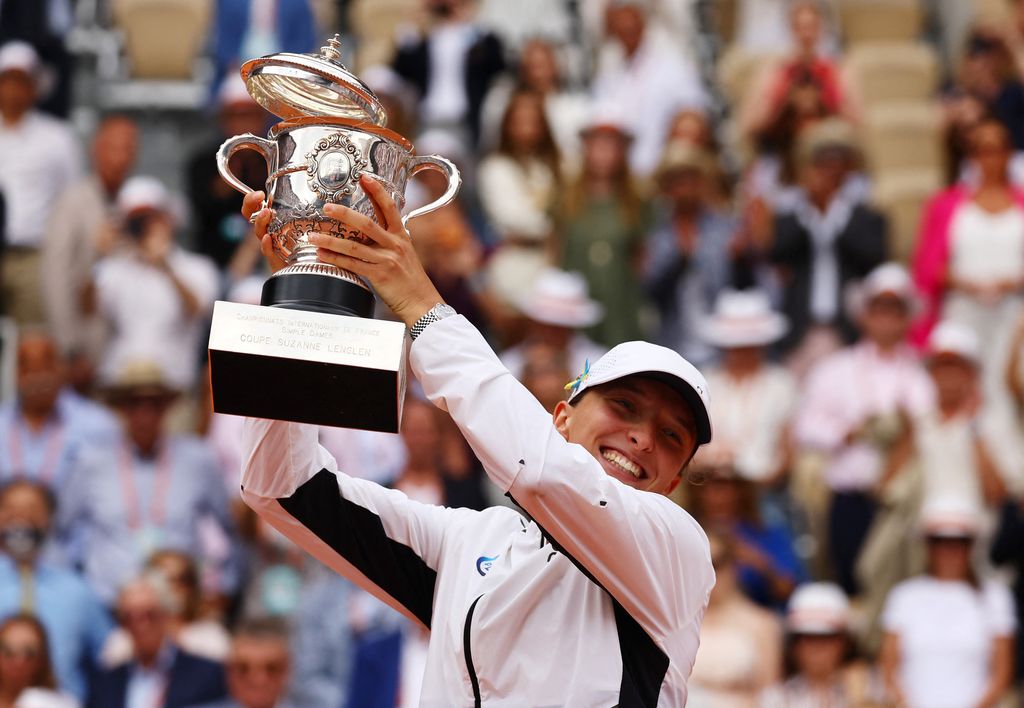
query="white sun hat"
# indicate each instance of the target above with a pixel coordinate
(818, 608)
(950, 517)
(19, 56)
(143, 192)
(886, 279)
(954, 339)
(560, 298)
(743, 318)
(655, 362)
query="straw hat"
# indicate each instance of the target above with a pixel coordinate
(139, 379)
(831, 133)
(560, 298)
(680, 156)
(743, 318)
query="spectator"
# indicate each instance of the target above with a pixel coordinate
(819, 647)
(221, 231)
(969, 262)
(76, 622)
(45, 427)
(159, 672)
(723, 502)
(603, 221)
(753, 399)
(324, 643)
(948, 636)
(988, 73)
(26, 676)
(648, 81)
(518, 184)
(452, 65)
(45, 25)
(398, 99)
(197, 635)
(687, 254)
(145, 492)
(854, 407)
(557, 307)
(802, 77)
(739, 652)
(246, 29)
(540, 72)
(258, 667)
(153, 294)
(80, 231)
(544, 375)
(41, 159)
(829, 240)
(1008, 550)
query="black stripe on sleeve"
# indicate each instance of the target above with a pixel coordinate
(357, 534)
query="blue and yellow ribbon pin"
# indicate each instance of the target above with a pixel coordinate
(573, 386)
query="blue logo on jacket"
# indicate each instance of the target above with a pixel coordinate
(485, 563)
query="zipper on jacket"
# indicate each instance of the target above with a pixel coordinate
(469, 654)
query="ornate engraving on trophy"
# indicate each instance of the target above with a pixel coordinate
(335, 164)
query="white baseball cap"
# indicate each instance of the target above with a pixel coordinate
(743, 318)
(818, 608)
(143, 192)
(19, 56)
(954, 339)
(654, 362)
(886, 279)
(560, 298)
(949, 517)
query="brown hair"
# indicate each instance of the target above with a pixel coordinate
(44, 676)
(628, 197)
(547, 150)
(190, 579)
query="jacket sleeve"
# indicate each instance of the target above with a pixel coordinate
(648, 553)
(376, 537)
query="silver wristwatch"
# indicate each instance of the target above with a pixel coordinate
(435, 313)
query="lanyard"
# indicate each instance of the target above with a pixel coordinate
(130, 494)
(51, 457)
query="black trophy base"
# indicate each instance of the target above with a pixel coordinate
(317, 293)
(307, 367)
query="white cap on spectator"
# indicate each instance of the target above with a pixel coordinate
(886, 279)
(655, 362)
(952, 339)
(743, 318)
(143, 192)
(606, 118)
(233, 91)
(949, 517)
(818, 608)
(561, 299)
(19, 56)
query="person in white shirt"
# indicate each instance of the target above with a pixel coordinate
(153, 293)
(597, 596)
(948, 636)
(41, 159)
(854, 406)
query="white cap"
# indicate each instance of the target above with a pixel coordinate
(818, 608)
(886, 279)
(606, 117)
(143, 193)
(954, 339)
(743, 318)
(19, 56)
(656, 362)
(949, 517)
(561, 299)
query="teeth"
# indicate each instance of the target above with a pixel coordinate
(622, 463)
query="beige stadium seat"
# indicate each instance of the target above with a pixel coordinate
(903, 136)
(881, 20)
(901, 195)
(163, 37)
(886, 72)
(737, 70)
(376, 23)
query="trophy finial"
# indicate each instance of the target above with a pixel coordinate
(332, 50)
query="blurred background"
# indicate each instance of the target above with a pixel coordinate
(818, 202)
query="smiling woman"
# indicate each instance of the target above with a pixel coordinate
(623, 573)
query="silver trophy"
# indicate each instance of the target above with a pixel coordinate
(332, 132)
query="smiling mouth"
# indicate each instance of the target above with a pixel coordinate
(623, 463)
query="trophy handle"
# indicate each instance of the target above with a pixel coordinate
(248, 141)
(446, 167)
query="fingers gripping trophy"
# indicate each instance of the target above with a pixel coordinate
(312, 341)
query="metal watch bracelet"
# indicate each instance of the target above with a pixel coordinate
(437, 312)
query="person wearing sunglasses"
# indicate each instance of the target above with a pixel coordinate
(258, 667)
(596, 596)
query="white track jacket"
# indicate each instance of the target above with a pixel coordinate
(595, 599)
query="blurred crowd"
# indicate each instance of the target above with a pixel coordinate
(820, 203)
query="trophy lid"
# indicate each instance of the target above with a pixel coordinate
(297, 85)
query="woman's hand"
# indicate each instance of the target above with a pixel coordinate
(253, 205)
(387, 258)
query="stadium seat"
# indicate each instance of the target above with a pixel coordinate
(900, 195)
(737, 70)
(880, 20)
(887, 72)
(162, 37)
(903, 136)
(376, 22)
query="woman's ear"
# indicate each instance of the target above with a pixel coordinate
(561, 418)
